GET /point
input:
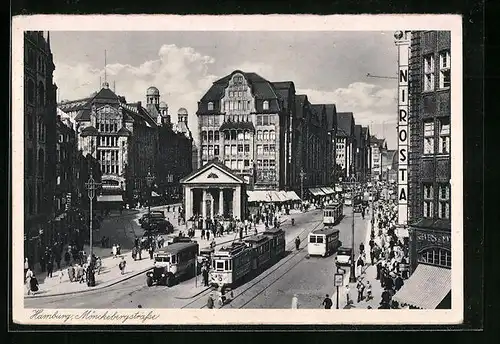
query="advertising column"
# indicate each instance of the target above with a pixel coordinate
(403, 44)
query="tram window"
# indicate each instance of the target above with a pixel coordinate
(226, 265)
(213, 264)
(219, 265)
(319, 239)
(174, 260)
(312, 239)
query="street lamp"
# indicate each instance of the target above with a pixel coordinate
(149, 181)
(91, 186)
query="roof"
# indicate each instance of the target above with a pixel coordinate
(357, 133)
(152, 91)
(237, 125)
(345, 122)
(124, 132)
(432, 224)
(74, 105)
(182, 111)
(205, 167)
(255, 238)
(331, 116)
(273, 231)
(325, 230)
(300, 101)
(177, 246)
(89, 131)
(376, 141)
(426, 287)
(341, 133)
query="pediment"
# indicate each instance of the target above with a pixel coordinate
(213, 174)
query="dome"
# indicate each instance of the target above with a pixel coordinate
(152, 91)
(182, 111)
(163, 105)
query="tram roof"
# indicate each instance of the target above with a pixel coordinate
(272, 231)
(177, 247)
(325, 230)
(255, 238)
(334, 205)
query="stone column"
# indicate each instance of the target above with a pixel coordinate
(188, 200)
(221, 202)
(211, 206)
(204, 207)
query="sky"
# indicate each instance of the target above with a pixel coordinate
(327, 66)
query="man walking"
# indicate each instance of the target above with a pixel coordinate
(348, 294)
(327, 302)
(297, 243)
(361, 287)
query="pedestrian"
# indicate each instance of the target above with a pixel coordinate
(361, 248)
(71, 273)
(122, 265)
(297, 243)
(348, 294)
(398, 283)
(368, 291)
(50, 268)
(203, 234)
(327, 302)
(360, 287)
(114, 250)
(26, 266)
(207, 235)
(295, 302)
(151, 251)
(204, 271)
(210, 302)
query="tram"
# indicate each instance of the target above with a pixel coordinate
(233, 262)
(332, 214)
(323, 242)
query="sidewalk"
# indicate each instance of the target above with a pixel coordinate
(110, 273)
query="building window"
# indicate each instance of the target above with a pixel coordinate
(240, 164)
(216, 150)
(247, 135)
(227, 135)
(429, 73)
(429, 137)
(204, 150)
(29, 126)
(29, 161)
(210, 106)
(259, 164)
(233, 135)
(444, 201)
(233, 150)
(216, 136)
(31, 91)
(272, 148)
(234, 165)
(265, 105)
(259, 150)
(204, 136)
(210, 136)
(265, 120)
(428, 200)
(259, 135)
(272, 164)
(272, 135)
(240, 148)
(247, 148)
(266, 164)
(444, 69)
(210, 150)
(444, 136)
(266, 135)
(227, 150)
(266, 149)
(241, 136)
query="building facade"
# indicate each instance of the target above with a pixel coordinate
(241, 123)
(429, 159)
(66, 151)
(377, 148)
(346, 144)
(39, 143)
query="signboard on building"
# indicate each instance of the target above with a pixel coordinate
(403, 44)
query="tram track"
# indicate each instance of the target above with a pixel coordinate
(267, 272)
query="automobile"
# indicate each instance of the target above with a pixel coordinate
(161, 226)
(157, 214)
(343, 256)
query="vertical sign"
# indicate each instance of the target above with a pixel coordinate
(403, 44)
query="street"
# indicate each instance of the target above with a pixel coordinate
(310, 278)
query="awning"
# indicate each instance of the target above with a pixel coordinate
(283, 196)
(426, 287)
(110, 198)
(316, 192)
(327, 190)
(258, 196)
(292, 196)
(274, 196)
(338, 188)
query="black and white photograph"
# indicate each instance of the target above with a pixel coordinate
(237, 169)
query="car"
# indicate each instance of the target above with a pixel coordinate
(160, 225)
(343, 257)
(144, 220)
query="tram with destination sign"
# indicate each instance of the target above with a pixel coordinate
(232, 263)
(323, 242)
(332, 214)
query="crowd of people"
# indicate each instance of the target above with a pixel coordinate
(388, 253)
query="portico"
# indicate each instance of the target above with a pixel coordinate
(214, 190)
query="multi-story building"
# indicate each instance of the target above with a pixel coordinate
(175, 153)
(362, 148)
(346, 144)
(241, 123)
(39, 143)
(389, 164)
(377, 147)
(318, 144)
(429, 159)
(331, 118)
(66, 150)
(365, 132)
